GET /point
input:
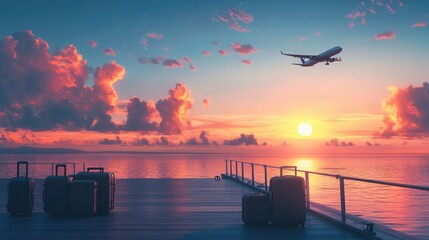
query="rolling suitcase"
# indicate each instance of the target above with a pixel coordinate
(255, 208)
(83, 198)
(106, 188)
(20, 197)
(287, 200)
(56, 193)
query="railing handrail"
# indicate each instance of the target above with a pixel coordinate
(52, 164)
(337, 176)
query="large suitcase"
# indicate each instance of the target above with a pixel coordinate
(106, 188)
(287, 200)
(56, 192)
(83, 198)
(255, 208)
(20, 197)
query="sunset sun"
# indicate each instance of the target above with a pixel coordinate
(304, 129)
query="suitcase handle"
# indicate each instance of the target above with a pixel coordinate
(26, 168)
(100, 169)
(58, 166)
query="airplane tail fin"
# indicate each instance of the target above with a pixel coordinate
(302, 60)
(282, 52)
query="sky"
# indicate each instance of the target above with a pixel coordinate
(134, 74)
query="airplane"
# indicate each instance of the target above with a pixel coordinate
(325, 56)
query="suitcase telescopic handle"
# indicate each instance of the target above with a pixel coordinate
(59, 166)
(26, 168)
(100, 169)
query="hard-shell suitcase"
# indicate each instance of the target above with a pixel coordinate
(20, 197)
(56, 193)
(287, 200)
(106, 188)
(255, 208)
(83, 198)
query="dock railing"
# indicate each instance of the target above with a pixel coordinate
(232, 170)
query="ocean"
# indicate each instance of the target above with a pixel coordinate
(401, 209)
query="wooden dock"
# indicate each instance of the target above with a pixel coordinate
(163, 209)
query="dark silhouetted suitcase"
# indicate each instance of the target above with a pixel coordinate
(287, 200)
(56, 192)
(83, 198)
(20, 197)
(106, 187)
(255, 208)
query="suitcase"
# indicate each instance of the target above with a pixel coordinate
(56, 193)
(83, 198)
(106, 188)
(287, 200)
(20, 193)
(255, 208)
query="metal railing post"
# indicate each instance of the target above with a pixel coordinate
(253, 175)
(265, 177)
(307, 189)
(343, 200)
(230, 168)
(281, 171)
(226, 166)
(242, 171)
(83, 167)
(52, 169)
(74, 168)
(236, 169)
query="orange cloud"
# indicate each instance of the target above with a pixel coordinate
(243, 49)
(388, 35)
(419, 24)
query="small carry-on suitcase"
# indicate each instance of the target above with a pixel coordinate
(255, 208)
(56, 193)
(287, 200)
(106, 188)
(20, 197)
(83, 198)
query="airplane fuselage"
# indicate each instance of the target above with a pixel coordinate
(323, 57)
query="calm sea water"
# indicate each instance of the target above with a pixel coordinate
(401, 209)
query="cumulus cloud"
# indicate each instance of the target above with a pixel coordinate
(337, 143)
(419, 24)
(388, 35)
(204, 138)
(92, 43)
(406, 112)
(163, 140)
(247, 61)
(109, 51)
(206, 102)
(155, 36)
(243, 49)
(40, 90)
(172, 63)
(369, 144)
(206, 53)
(107, 141)
(223, 52)
(153, 60)
(242, 140)
(139, 115)
(174, 109)
(236, 18)
(141, 142)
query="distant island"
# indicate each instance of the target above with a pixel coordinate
(35, 150)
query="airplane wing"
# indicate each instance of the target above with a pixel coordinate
(296, 55)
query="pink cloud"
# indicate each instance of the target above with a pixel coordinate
(193, 67)
(318, 33)
(206, 102)
(243, 49)
(247, 61)
(154, 60)
(235, 18)
(372, 11)
(186, 59)
(206, 53)
(388, 35)
(144, 42)
(351, 24)
(109, 51)
(354, 15)
(419, 24)
(302, 39)
(390, 9)
(223, 52)
(154, 36)
(92, 43)
(172, 63)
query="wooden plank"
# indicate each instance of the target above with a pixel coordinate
(162, 209)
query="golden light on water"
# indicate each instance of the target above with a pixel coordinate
(305, 164)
